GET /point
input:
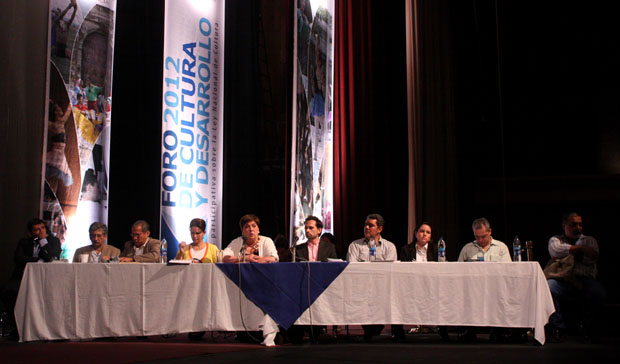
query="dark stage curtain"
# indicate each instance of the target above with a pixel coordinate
(432, 140)
(370, 120)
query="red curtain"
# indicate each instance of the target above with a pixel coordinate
(353, 109)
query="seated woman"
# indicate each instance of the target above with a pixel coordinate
(423, 250)
(258, 248)
(198, 251)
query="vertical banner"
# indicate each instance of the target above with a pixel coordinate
(192, 120)
(312, 162)
(78, 124)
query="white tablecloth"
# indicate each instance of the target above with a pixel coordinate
(451, 294)
(71, 301)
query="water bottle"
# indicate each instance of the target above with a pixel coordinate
(372, 250)
(441, 250)
(516, 249)
(164, 251)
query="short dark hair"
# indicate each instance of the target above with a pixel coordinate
(199, 223)
(33, 222)
(481, 222)
(247, 218)
(379, 218)
(142, 224)
(568, 215)
(318, 221)
(98, 226)
(329, 237)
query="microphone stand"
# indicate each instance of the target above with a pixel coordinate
(295, 240)
(243, 248)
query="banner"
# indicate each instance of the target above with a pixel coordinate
(312, 162)
(79, 117)
(192, 120)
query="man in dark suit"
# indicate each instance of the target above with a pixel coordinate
(37, 247)
(315, 249)
(141, 248)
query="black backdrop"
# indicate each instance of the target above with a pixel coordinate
(535, 120)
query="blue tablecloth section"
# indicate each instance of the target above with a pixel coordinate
(281, 289)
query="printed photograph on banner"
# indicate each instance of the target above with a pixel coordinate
(81, 49)
(313, 192)
(192, 120)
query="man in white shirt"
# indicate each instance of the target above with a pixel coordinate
(582, 283)
(385, 251)
(360, 248)
(484, 248)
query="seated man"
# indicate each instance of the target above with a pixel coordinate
(257, 248)
(37, 247)
(484, 248)
(582, 283)
(359, 251)
(141, 248)
(360, 248)
(315, 249)
(98, 251)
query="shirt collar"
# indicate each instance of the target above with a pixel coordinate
(480, 246)
(378, 241)
(143, 245)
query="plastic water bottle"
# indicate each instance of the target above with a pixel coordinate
(372, 250)
(441, 250)
(516, 249)
(164, 251)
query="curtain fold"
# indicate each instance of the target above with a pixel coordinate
(352, 109)
(432, 140)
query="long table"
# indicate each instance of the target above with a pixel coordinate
(450, 294)
(79, 301)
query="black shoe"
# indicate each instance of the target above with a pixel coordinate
(469, 336)
(443, 333)
(555, 334)
(196, 335)
(367, 336)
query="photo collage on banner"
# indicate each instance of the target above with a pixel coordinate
(192, 120)
(312, 187)
(78, 124)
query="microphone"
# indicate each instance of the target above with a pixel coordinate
(243, 247)
(295, 240)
